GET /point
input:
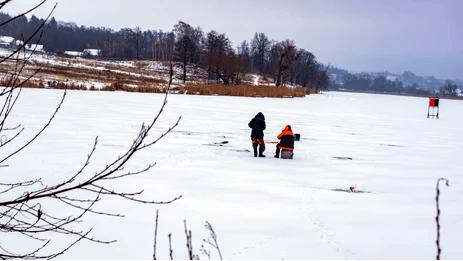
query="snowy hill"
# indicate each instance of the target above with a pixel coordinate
(74, 71)
(261, 208)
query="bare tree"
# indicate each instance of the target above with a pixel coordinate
(449, 89)
(187, 44)
(22, 212)
(220, 59)
(244, 53)
(287, 56)
(260, 49)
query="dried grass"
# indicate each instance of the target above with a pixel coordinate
(118, 86)
(243, 90)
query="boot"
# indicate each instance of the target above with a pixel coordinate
(261, 150)
(277, 153)
(254, 146)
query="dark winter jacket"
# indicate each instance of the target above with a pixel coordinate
(286, 138)
(257, 124)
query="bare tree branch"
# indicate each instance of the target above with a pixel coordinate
(21, 211)
(214, 242)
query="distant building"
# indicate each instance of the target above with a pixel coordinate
(6, 41)
(92, 52)
(35, 47)
(84, 53)
(18, 42)
(73, 53)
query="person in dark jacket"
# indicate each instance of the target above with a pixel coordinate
(257, 124)
(286, 143)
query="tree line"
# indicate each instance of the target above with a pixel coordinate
(366, 82)
(281, 61)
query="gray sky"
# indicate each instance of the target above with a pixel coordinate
(358, 35)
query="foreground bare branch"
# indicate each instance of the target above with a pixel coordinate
(23, 213)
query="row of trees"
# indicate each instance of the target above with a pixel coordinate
(366, 82)
(281, 61)
(449, 89)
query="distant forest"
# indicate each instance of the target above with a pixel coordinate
(281, 61)
(373, 83)
(406, 83)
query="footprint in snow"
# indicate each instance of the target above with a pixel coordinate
(326, 235)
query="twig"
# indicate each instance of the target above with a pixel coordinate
(189, 246)
(439, 250)
(155, 234)
(205, 252)
(213, 235)
(171, 252)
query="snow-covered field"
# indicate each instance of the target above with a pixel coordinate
(262, 207)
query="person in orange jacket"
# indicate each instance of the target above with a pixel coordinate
(286, 143)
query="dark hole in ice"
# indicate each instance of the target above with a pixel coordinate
(393, 145)
(351, 191)
(241, 150)
(342, 158)
(218, 144)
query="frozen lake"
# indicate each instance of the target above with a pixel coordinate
(261, 208)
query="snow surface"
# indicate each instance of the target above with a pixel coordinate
(260, 207)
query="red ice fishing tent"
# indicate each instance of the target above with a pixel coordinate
(433, 107)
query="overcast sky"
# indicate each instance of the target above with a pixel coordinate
(424, 36)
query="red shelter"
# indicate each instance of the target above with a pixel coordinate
(433, 107)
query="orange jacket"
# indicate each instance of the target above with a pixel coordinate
(284, 132)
